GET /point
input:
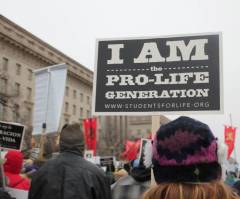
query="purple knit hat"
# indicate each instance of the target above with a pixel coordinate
(185, 150)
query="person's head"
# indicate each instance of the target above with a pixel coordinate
(14, 162)
(72, 139)
(139, 172)
(185, 150)
(185, 162)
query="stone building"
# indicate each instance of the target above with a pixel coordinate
(115, 130)
(20, 54)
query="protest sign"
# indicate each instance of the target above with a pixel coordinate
(49, 94)
(35, 153)
(11, 135)
(88, 154)
(107, 161)
(143, 150)
(17, 193)
(150, 76)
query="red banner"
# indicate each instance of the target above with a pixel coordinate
(90, 133)
(230, 136)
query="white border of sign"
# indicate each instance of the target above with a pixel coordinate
(17, 124)
(51, 111)
(88, 152)
(221, 111)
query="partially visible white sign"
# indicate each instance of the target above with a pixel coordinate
(88, 154)
(35, 153)
(49, 94)
(17, 193)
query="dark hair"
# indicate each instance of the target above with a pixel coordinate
(127, 166)
(65, 126)
(236, 187)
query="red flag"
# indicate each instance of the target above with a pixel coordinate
(150, 136)
(90, 133)
(230, 136)
(131, 149)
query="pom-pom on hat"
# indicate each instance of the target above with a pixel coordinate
(185, 150)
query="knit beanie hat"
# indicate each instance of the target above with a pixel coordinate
(72, 139)
(185, 150)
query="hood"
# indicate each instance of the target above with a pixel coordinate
(75, 148)
(14, 162)
(141, 174)
(72, 139)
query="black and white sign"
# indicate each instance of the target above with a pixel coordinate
(11, 135)
(151, 75)
(106, 160)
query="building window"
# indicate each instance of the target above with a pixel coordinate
(5, 64)
(88, 100)
(66, 121)
(18, 69)
(30, 74)
(1, 111)
(81, 112)
(74, 109)
(81, 97)
(29, 94)
(88, 114)
(29, 114)
(17, 88)
(67, 91)
(139, 132)
(3, 86)
(66, 107)
(16, 113)
(74, 94)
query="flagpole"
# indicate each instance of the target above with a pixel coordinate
(44, 125)
(234, 151)
(2, 170)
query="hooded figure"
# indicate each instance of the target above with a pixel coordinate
(69, 175)
(12, 168)
(133, 185)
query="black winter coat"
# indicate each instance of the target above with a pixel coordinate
(69, 176)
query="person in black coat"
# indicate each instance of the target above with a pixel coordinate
(69, 176)
(133, 185)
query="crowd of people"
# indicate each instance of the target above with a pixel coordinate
(187, 163)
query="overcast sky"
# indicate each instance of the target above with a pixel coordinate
(72, 26)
